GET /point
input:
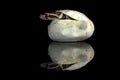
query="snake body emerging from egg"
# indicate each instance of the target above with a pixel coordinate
(68, 25)
(55, 15)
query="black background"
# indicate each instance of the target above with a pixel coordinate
(37, 40)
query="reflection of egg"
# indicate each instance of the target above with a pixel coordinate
(71, 30)
(74, 54)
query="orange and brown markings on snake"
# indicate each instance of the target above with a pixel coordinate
(55, 15)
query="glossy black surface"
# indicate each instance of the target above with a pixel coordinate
(39, 41)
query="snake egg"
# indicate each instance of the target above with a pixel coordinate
(68, 25)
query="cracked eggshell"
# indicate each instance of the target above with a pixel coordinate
(71, 30)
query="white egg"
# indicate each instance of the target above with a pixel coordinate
(67, 30)
(71, 55)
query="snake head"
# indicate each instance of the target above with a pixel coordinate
(55, 15)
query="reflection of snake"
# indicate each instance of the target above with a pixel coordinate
(50, 65)
(55, 15)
